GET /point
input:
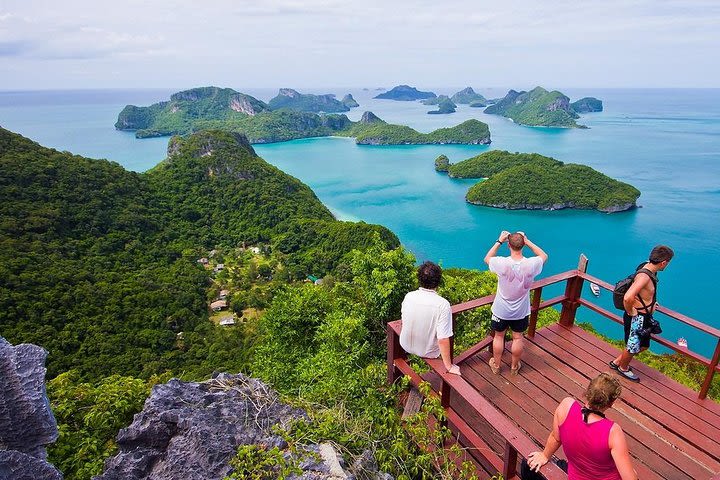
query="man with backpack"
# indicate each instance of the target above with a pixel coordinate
(639, 302)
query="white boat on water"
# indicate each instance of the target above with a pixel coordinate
(595, 289)
(682, 342)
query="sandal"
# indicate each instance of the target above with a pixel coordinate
(495, 369)
(514, 371)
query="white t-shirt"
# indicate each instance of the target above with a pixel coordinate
(512, 301)
(426, 318)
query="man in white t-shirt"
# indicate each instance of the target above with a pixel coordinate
(511, 307)
(427, 319)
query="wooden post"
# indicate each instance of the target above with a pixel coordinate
(573, 290)
(445, 400)
(711, 372)
(394, 350)
(509, 461)
(534, 310)
(452, 339)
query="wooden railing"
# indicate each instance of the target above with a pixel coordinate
(516, 442)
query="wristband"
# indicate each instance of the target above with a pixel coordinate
(498, 242)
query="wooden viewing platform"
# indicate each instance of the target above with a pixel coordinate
(673, 432)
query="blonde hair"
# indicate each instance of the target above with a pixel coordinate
(603, 391)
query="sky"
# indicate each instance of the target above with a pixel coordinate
(61, 44)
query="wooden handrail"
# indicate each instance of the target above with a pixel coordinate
(670, 313)
(516, 441)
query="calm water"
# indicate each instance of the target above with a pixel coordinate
(665, 142)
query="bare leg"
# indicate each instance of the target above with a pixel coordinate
(498, 346)
(623, 360)
(517, 348)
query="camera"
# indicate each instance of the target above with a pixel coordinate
(652, 327)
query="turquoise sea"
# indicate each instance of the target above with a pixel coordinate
(665, 142)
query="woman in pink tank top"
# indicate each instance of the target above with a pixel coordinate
(595, 447)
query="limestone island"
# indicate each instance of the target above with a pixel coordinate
(444, 106)
(405, 93)
(371, 130)
(349, 101)
(531, 181)
(468, 96)
(587, 105)
(291, 99)
(225, 109)
(538, 108)
(442, 163)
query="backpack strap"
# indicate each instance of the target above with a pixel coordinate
(654, 279)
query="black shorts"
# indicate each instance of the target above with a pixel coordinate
(517, 326)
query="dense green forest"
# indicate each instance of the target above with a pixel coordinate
(380, 133)
(293, 100)
(100, 266)
(533, 181)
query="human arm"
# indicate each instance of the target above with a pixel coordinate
(493, 250)
(538, 459)
(630, 298)
(444, 344)
(535, 249)
(621, 455)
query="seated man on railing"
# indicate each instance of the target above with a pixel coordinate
(511, 307)
(427, 319)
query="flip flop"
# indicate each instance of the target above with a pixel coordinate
(613, 365)
(495, 369)
(514, 371)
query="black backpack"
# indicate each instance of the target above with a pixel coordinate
(623, 286)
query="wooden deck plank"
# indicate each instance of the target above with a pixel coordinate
(697, 406)
(569, 385)
(663, 456)
(645, 429)
(653, 400)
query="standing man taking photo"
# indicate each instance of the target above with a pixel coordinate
(640, 301)
(511, 307)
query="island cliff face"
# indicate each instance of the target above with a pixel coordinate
(405, 93)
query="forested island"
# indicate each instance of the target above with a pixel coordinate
(538, 107)
(405, 93)
(535, 182)
(371, 130)
(290, 99)
(226, 109)
(468, 96)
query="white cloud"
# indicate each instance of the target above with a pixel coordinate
(271, 42)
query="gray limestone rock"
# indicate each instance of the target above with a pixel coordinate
(192, 430)
(27, 423)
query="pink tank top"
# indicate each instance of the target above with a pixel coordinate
(586, 447)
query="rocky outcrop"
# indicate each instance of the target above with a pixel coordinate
(405, 93)
(192, 430)
(468, 96)
(370, 117)
(26, 421)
